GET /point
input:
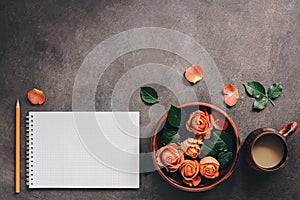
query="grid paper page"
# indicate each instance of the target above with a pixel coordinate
(85, 150)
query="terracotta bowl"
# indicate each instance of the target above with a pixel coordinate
(175, 179)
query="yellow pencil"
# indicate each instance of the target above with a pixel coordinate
(18, 146)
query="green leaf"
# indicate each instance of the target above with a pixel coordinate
(208, 148)
(225, 158)
(255, 89)
(176, 138)
(168, 131)
(260, 104)
(149, 95)
(166, 138)
(223, 140)
(275, 90)
(174, 116)
(167, 135)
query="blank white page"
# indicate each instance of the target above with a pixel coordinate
(83, 150)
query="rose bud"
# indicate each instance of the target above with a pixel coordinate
(189, 170)
(169, 157)
(209, 167)
(191, 147)
(199, 123)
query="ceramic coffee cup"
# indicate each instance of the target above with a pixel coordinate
(266, 149)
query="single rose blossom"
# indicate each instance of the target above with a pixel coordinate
(209, 167)
(191, 146)
(199, 123)
(189, 170)
(169, 157)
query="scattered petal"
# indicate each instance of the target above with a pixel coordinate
(194, 73)
(231, 94)
(219, 121)
(36, 96)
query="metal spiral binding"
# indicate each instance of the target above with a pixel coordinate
(29, 150)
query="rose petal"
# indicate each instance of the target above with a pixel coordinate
(196, 181)
(219, 121)
(168, 157)
(194, 73)
(173, 145)
(209, 159)
(231, 94)
(207, 135)
(36, 96)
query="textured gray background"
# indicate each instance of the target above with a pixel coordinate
(43, 43)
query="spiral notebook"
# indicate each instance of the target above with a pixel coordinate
(83, 150)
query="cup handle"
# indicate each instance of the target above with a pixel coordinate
(288, 129)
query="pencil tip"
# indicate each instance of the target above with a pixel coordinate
(18, 103)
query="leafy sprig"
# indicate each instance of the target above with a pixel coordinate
(258, 91)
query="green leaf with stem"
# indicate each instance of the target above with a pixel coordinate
(208, 148)
(149, 95)
(255, 89)
(260, 104)
(174, 116)
(275, 90)
(225, 158)
(169, 133)
(223, 140)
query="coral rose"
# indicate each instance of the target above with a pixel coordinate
(199, 123)
(189, 170)
(209, 167)
(191, 147)
(169, 157)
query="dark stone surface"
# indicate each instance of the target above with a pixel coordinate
(43, 43)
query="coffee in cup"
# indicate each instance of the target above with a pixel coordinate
(268, 151)
(266, 148)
